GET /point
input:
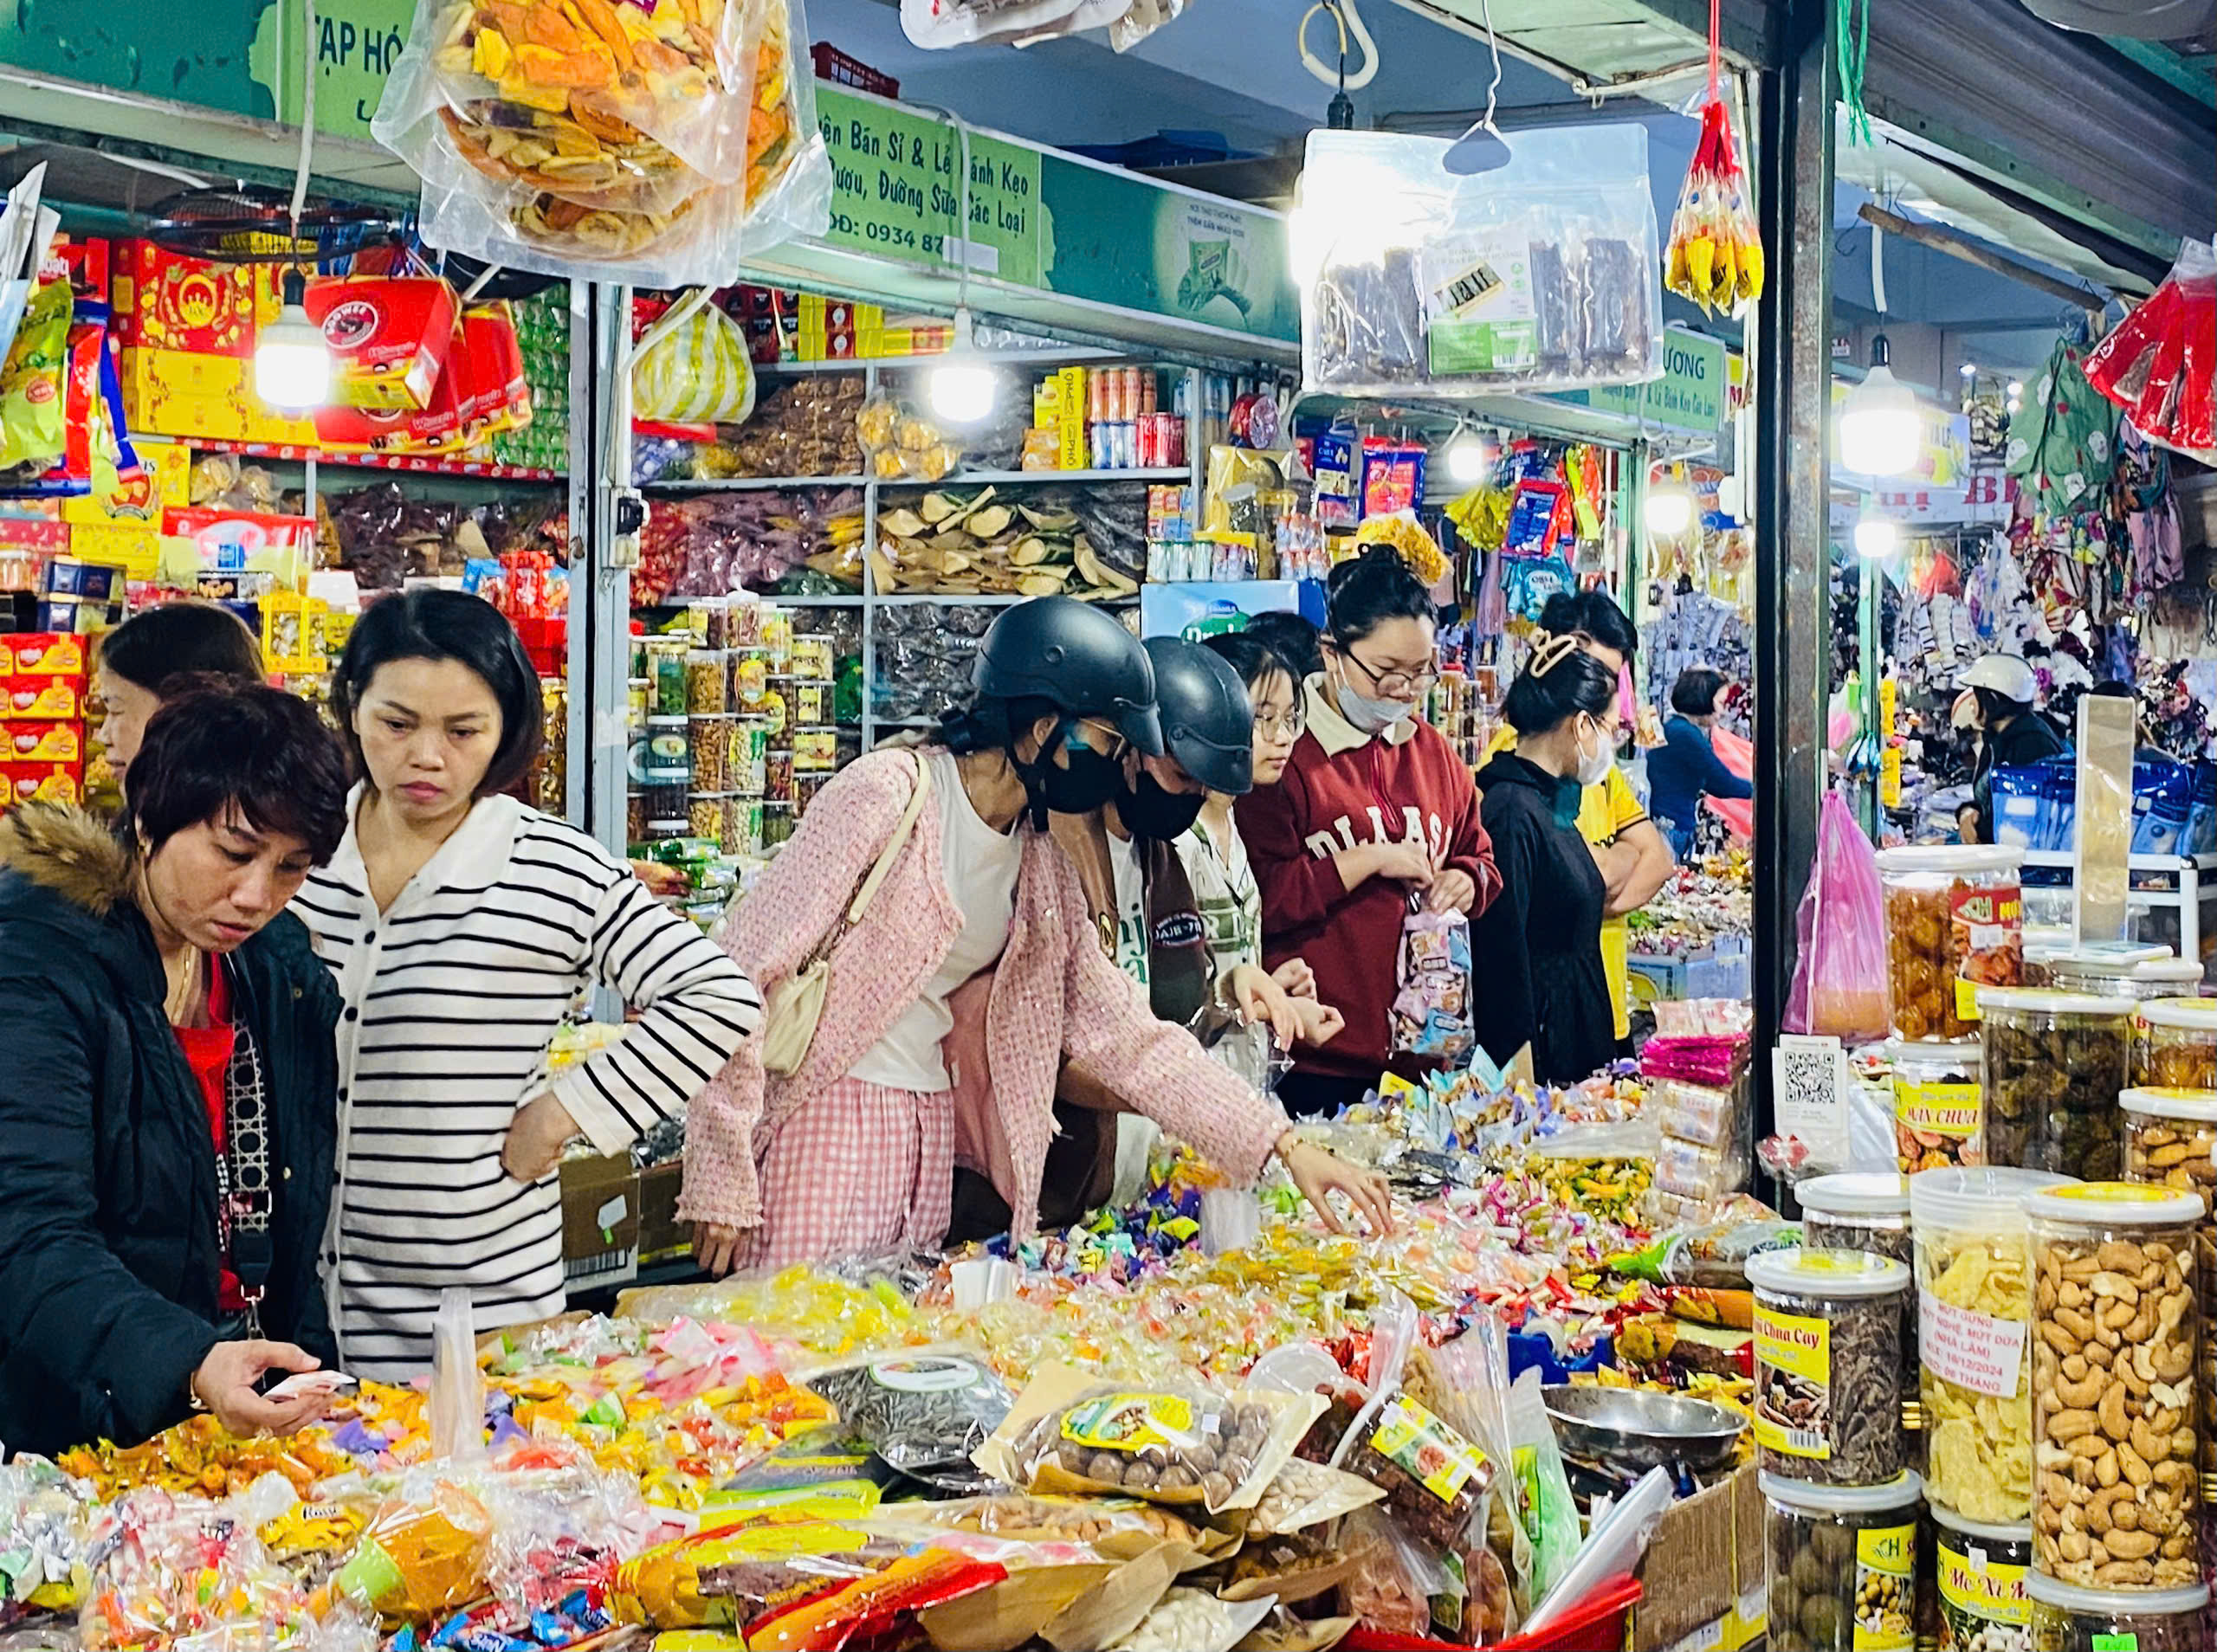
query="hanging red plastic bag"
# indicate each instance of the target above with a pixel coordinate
(1839, 972)
(1714, 255)
(2160, 363)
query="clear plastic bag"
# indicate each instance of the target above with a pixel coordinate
(1542, 275)
(693, 366)
(924, 1413)
(1432, 1011)
(457, 1388)
(1545, 1507)
(1839, 972)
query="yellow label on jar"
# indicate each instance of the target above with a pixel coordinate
(1938, 1109)
(1794, 1383)
(1885, 1602)
(1967, 1000)
(1976, 1587)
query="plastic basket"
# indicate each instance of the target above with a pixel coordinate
(1597, 1625)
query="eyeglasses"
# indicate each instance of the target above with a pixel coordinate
(1117, 744)
(1395, 683)
(1289, 723)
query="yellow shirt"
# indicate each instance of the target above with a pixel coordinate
(1605, 812)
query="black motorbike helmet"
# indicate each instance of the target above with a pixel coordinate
(1208, 722)
(1059, 649)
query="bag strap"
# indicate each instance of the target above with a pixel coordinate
(876, 875)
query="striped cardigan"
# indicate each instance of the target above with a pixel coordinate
(1055, 996)
(451, 997)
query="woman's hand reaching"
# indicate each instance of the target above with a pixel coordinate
(1319, 1174)
(1262, 1000)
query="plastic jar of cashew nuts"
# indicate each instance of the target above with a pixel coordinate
(2169, 1138)
(2115, 1387)
(2066, 1618)
(1840, 1564)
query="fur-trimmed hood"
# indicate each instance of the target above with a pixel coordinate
(67, 851)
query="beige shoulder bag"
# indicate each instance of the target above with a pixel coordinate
(795, 1004)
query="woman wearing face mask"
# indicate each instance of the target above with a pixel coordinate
(854, 1152)
(1536, 951)
(460, 926)
(1374, 809)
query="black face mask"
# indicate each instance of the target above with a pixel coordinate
(1090, 781)
(1151, 811)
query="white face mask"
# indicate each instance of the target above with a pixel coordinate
(1593, 768)
(1372, 716)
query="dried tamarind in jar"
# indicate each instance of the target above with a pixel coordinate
(1828, 1364)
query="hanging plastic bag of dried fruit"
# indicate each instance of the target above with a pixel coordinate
(1714, 255)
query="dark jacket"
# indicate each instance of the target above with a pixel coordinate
(2028, 738)
(1684, 769)
(1535, 954)
(109, 1244)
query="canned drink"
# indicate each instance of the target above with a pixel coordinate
(1148, 436)
(1097, 396)
(1127, 445)
(1132, 377)
(1148, 391)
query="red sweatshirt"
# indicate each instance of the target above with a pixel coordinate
(1343, 789)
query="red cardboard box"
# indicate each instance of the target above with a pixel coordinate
(389, 336)
(41, 653)
(22, 782)
(45, 536)
(42, 743)
(47, 698)
(166, 301)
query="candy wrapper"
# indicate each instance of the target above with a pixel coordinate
(1431, 1013)
(1715, 256)
(424, 1554)
(1179, 1444)
(42, 1538)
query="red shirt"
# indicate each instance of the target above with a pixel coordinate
(1343, 790)
(208, 1053)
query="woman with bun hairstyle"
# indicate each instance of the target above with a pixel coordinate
(854, 1151)
(1375, 810)
(149, 658)
(1537, 950)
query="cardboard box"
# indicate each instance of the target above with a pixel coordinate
(48, 654)
(135, 549)
(391, 336)
(191, 306)
(62, 783)
(177, 393)
(41, 742)
(1690, 1576)
(600, 1216)
(41, 535)
(163, 479)
(662, 1237)
(46, 699)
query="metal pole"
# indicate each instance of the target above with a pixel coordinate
(1792, 587)
(1869, 596)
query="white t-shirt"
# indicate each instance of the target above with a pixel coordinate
(1131, 907)
(980, 866)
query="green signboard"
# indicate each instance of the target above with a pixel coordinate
(896, 190)
(1691, 395)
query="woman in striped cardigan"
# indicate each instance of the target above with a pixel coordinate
(461, 926)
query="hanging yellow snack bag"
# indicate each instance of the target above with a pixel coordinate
(33, 410)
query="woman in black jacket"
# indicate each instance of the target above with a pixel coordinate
(168, 1097)
(1535, 954)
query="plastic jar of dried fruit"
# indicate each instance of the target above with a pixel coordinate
(2115, 1384)
(2068, 1619)
(2175, 1044)
(1980, 1571)
(1938, 1088)
(1974, 1299)
(1839, 1565)
(2100, 968)
(2054, 1064)
(1955, 920)
(1828, 1364)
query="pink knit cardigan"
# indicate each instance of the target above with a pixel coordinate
(1055, 994)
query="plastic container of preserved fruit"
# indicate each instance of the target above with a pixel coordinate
(1954, 921)
(2043, 945)
(1839, 1565)
(2054, 1064)
(2115, 1384)
(2069, 1619)
(1828, 1364)
(2175, 1044)
(1980, 1570)
(1975, 1301)
(1938, 1089)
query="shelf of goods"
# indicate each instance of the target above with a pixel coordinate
(2173, 897)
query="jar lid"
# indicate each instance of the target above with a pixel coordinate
(2135, 1204)
(1897, 1492)
(2101, 1603)
(1968, 1052)
(2197, 1014)
(1984, 1531)
(1972, 1195)
(1854, 1193)
(1801, 1272)
(2039, 1001)
(2160, 1101)
(2181, 970)
(2108, 958)
(1952, 857)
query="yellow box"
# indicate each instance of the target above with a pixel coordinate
(1071, 417)
(134, 548)
(177, 393)
(165, 478)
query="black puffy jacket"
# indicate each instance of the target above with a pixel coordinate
(109, 1247)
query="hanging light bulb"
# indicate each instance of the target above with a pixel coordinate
(962, 387)
(1876, 536)
(1670, 509)
(292, 363)
(1969, 369)
(1470, 457)
(1879, 426)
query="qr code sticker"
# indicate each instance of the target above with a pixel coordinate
(1809, 1081)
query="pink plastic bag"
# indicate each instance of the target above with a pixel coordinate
(1839, 971)
(1738, 755)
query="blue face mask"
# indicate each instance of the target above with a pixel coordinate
(1371, 716)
